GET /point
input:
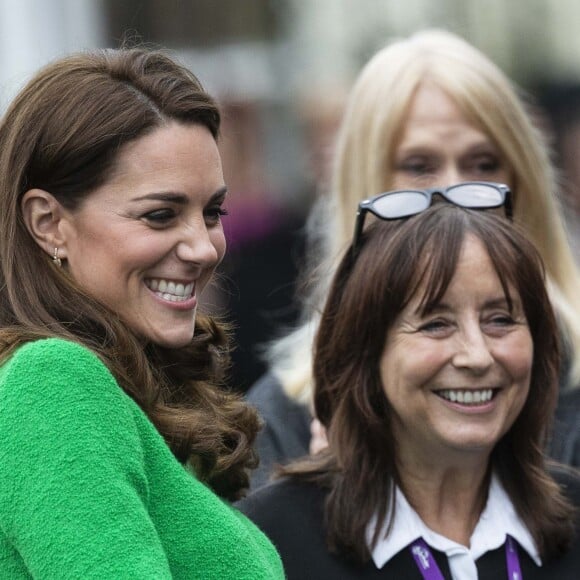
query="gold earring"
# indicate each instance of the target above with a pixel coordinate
(55, 259)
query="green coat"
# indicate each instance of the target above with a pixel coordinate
(89, 488)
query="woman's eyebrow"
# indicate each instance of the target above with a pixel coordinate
(169, 196)
(174, 197)
(219, 194)
(496, 302)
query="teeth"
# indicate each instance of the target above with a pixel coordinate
(467, 397)
(171, 291)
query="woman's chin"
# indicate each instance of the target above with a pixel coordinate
(173, 340)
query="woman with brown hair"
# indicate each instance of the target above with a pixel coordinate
(118, 447)
(436, 377)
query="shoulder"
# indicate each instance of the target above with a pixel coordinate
(52, 357)
(286, 503)
(57, 390)
(49, 347)
(285, 488)
(291, 514)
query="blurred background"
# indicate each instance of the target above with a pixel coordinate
(281, 70)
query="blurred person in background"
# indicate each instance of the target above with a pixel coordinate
(560, 109)
(265, 226)
(561, 105)
(429, 110)
(436, 377)
(264, 234)
(119, 447)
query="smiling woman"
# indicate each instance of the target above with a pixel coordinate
(470, 375)
(163, 243)
(436, 368)
(115, 436)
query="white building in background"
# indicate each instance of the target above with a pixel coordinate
(320, 42)
(33, 32)
(527, 38)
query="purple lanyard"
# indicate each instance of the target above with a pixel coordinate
(430, 571)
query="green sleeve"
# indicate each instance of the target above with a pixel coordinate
(73, 486)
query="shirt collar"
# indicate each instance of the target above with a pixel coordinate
(498, 519)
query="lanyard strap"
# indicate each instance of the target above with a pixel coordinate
(512, 560)
(428, 566)
(425, 560)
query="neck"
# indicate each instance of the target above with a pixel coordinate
(448, 498)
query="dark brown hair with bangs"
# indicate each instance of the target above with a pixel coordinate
(367, 294)
(63, 134)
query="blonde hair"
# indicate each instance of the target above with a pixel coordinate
(374, 118)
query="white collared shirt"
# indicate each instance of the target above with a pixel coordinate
(497, 520)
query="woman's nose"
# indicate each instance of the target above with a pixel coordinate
(473, 351)
(198, 246)
(450, 175)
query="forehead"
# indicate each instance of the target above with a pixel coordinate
(471, 277)
(434, 116)
(166, 146)
(176, 157)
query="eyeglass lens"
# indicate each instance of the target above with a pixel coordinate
(401, 204)
(407, 203)
(474, 195)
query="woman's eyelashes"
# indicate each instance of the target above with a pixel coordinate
(490, 324)
(165, 216)
(417, 166)
(484, 165)
(502, 319)
(160, 217)
(436, 326)
(473, 167)
(500, 324)
(214, 213)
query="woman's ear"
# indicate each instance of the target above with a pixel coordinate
(43, 217)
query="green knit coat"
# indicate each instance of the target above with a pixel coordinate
(89, 488)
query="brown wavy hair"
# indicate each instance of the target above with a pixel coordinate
(366, 296)
(62, 134)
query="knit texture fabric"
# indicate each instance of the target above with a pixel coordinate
(89, 488)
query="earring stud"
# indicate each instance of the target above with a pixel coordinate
(55, 259)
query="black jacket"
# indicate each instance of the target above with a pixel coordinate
(291, 514)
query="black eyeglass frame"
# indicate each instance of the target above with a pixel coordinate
(367, 205)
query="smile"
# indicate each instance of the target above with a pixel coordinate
(171, 291)
(467, 397)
